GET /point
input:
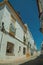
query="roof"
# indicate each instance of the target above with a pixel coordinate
(14, 13)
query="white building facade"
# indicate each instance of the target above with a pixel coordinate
(41, 48)
(30, 42)
(13, 33)
(40, 10)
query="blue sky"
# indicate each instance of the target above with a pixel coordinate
(29, 14)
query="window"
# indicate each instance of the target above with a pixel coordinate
(24, 50)
(3, 29)
(28, 45)
(12, 29)
(19, 49)
(0, 25)
(10, 49)
(24, 39)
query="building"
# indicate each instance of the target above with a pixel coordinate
(42, 47)
(31, 48)
(40, 9)
(13, 33)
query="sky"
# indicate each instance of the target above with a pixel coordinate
(29, 14)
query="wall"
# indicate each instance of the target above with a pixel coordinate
(19, 31)
(7, 20)
(6, 38)
(1, 16)
(30, 39)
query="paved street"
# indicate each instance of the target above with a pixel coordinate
(37, 61)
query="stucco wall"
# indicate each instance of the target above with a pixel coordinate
(7, 20)
(30, 39)
(19, 31)
(1, 16)
(7, 38)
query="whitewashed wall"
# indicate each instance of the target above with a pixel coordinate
(1, 17)
(19, 31)
(30, 39)
(7, 38)
(7, 20)
(19, 34)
